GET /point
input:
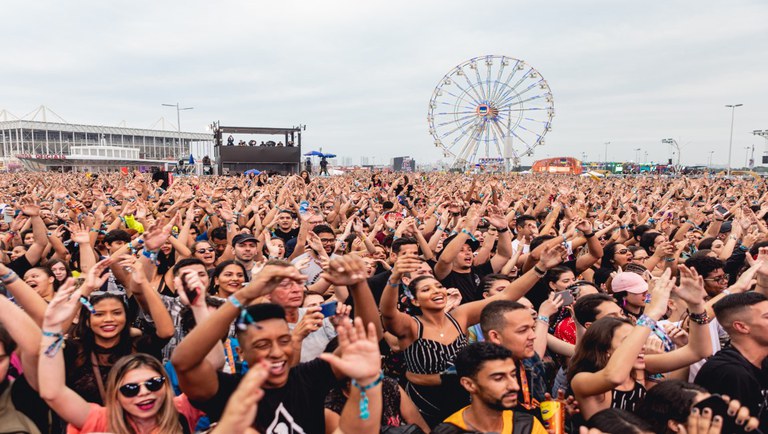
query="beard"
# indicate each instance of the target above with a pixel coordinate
(498, 404)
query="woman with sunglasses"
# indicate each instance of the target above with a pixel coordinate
(138, 397)
(204, 251)
(103, 334)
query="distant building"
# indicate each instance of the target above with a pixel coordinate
(560, 165)
(41, 145)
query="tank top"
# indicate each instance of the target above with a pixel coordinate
(627, 400)
(427, 356)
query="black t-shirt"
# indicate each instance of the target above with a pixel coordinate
(540, 291)
(20, 265)
(377, 283)
(296, 407)
(285, 236)
(729, 373)
(468, 284)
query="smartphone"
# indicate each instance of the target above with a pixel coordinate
(720, 209)
(8, 215)
(192, 294)
(328, 309)
(567, 297)
(720, 408)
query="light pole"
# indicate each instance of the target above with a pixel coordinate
(606, 153)
(710, 159)
(637, 156)
(674, 143)
(178, 118)
(730, 143)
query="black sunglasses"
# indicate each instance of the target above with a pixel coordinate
(129, 390)
(209, 249)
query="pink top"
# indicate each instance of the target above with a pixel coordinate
(97, 418)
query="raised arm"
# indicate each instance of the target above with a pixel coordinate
(349, 271)
(25, 333)
(620, 363)
(396, 322)
(51, 370)
(196, 376)
(24, 295)
(691, 290)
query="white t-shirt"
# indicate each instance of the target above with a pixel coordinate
(715, 331)
(314, 344)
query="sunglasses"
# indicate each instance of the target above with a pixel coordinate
(129, 390)
(209, 249)
(622, 251)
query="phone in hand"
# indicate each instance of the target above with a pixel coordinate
(567, 297)
(720, 209)
(8, 215)
(191, 293)
(328, 309)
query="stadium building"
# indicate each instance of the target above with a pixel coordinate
(60, 146)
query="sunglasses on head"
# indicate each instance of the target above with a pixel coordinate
(209, 249)
(129, 390)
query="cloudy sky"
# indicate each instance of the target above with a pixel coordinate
(360, 74)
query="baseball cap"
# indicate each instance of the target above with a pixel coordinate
(241, 238)
(629, 282)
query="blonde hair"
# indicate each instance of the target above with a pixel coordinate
(117, 419)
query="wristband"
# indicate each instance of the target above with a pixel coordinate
(471, 237)
(539, 271)
(151, 255)
(235, 302)
(670, 259)
(651, 221)
(364, 413)
(7, 275)
(440, 228)
(726, 292)
(56, 345)
(743, 248)
(390, 283)
(544, 319)
(589, 235)
(646, 321)
(501, 231)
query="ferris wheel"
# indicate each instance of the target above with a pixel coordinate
(490, 108)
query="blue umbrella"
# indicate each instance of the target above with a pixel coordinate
(314, 154)
(329, 155)
(252, 172)
(191, 160)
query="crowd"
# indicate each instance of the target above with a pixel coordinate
(369, 303)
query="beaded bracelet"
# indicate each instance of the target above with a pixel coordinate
(364, 413)
(700, 318)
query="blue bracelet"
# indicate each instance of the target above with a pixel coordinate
(55, 345)
(471, 237)
(235, 302)
(364, 413)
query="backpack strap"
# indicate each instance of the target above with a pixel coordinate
(522, 423)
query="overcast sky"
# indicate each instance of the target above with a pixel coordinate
(360, 74)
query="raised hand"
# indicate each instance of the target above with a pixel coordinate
(79, 233)
(156, 235)
(360, 357)
(496, 218)
(691, 288)
(242, 405)
(266, 280)
(309, 323)
(552, 257)
(64, 305)
(345, 271)
(551, 305)
(29, 208)
(96, 276)
(660, 289)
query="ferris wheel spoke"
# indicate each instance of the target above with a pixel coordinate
(460, 127)
(442, 124)
(518, 94)
(467, 93)
(453, 105)
(497, 81)
(513, 88)
(488, 81)
(460, 98)
(471, 87)
(479, 83)
(505, 84)
(472, 112)
(496, 139)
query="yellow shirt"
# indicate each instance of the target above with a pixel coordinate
(507, 416)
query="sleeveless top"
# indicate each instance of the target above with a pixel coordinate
(627, 400)
(427, 356)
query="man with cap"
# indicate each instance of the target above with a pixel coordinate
(246, 249)
(630, 290)
(455, 269)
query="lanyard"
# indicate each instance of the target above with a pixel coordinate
(528, 402)
(230, 357)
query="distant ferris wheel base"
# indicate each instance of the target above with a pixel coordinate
(490, 107)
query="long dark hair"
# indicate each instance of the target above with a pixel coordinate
(592, 350)
(669, 400)
(609, 250)
(85, 340)
(213, 289)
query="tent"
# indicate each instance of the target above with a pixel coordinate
(314, 154)
(253, 172)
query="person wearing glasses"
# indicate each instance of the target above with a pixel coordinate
(203, 251)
